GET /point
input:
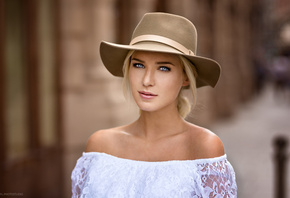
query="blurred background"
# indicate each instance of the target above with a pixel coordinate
(55, 92)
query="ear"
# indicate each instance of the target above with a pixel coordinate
(185, 83)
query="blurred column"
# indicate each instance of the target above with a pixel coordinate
(2, 100)
(244, 48)
(72, 32)
(227, 89)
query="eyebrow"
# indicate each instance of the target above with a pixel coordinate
(165, 63)
(159, 63)
(136, 59)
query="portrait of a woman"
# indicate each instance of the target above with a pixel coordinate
(160, 154)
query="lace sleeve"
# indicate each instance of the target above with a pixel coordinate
(217, 180)
(80, 177)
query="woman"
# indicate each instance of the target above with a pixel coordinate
(160, 154)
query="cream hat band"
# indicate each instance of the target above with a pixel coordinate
(163, 40)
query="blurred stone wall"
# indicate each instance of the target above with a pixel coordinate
(93, 99)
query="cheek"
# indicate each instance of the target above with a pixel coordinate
(175, 81)
(132, 76)
(173, 84)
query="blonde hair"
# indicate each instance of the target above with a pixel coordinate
(126, 84)
(184, 106)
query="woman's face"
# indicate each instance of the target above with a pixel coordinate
(155, 80)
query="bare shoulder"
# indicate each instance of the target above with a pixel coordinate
(97, 141)
(103, 140)
(205, 143)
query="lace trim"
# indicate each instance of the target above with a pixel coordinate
(203, 160)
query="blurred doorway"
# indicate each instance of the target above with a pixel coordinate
(30, 148)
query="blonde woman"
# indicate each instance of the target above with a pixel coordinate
(160, 154)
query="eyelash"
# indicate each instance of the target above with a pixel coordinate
(138, 65)
(161, 68)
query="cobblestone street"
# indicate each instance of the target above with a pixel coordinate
(248, 140)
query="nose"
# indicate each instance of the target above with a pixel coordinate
(148, 79)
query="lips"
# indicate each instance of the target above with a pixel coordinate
(147, 95)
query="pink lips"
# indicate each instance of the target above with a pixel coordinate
(147, 95)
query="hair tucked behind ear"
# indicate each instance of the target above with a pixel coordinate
(184, 106)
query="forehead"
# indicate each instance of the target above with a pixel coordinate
(157, 56)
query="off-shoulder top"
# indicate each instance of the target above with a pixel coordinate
(103, 175)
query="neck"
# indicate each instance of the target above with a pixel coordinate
(156, 125)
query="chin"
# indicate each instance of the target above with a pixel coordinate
(150, 108)
(147, 109)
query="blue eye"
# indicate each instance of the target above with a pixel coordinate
(138, 65)
(163, 68)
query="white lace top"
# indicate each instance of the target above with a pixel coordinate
(103, 175)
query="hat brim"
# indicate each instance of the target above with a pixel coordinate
(113, 56)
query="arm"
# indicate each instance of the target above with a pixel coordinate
(218, 180)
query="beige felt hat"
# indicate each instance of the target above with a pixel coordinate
(162, 32)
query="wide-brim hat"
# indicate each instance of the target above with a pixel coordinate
(162, 32)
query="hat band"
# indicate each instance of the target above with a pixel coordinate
(164, 40)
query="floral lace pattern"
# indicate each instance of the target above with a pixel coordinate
(103, 175)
